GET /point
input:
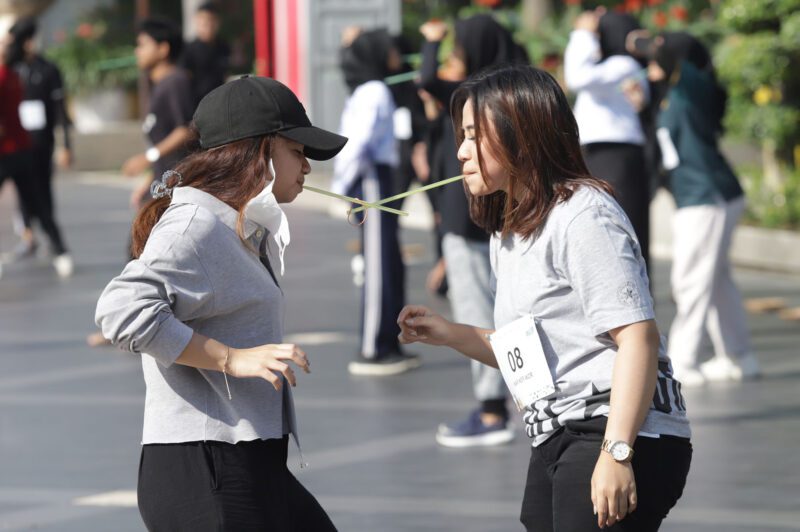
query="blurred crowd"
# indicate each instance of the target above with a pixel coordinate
(649, 109)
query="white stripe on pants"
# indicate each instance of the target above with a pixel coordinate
(373, 274)
(703, 286)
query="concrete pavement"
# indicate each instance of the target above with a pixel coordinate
(70, 416)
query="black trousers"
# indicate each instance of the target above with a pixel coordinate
(558, 489)
(383, 294)
(216, 486)
(623, 167)
(31, 171)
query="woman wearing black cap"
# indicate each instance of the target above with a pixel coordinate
(201, 301)
(597, 66)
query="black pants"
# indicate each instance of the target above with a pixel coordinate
(558, 489)
(623, 167)
(31, 171)
(217, 486)
(383, 294)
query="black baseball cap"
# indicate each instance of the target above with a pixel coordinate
(252, 106)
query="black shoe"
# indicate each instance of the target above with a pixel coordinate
(383, 366)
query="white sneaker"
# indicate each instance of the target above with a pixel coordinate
(688, 377)
(63, 265)
(357, 267)
(721, 368)
(385, 366)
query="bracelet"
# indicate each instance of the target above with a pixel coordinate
(225, 371)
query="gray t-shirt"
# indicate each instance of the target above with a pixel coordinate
(583, 276)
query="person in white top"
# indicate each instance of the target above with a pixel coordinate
(365, 169)
(600, 70)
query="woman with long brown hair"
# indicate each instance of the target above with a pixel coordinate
(202, 302)
(575, 335)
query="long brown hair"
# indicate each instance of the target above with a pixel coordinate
(234, 173)
(534, 137)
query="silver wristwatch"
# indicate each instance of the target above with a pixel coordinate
(619, 450)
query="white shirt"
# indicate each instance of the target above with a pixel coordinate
(367, 122)
(601, 109)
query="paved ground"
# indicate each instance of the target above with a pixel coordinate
(70, 416)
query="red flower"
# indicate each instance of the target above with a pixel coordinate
(488, 3)
(551, 62)
(572, 2)
(680, 13)
(660, 19)
(634, 5)
(653, 3)
(85, 31)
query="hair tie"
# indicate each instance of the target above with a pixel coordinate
(159, 189)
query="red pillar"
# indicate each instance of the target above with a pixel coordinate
(262, 15)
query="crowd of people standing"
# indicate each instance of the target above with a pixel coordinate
(544, 248)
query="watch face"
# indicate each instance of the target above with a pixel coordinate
(620, 451)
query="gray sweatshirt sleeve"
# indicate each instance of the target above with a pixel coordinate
(147, 307)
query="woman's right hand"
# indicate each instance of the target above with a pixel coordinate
(268, 362)
(433, 30)
(420, 324)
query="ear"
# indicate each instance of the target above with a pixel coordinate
(163, 50)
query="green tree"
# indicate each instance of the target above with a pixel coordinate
(759, 62)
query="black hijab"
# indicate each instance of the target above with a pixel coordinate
(485, 42)
(614, 29)
(680, 46)
(366, 58)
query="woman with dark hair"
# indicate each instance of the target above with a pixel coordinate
(597, 66)
(574, 330)
(366, 169)
(480, 41)
(709, 203)
(201, 302)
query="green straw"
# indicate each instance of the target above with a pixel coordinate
(401, 78)
(354, 200)
(410, 192)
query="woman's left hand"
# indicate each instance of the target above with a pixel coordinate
(613, 490)
(588, 21)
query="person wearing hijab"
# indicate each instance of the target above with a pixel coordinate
(709, 202)
(597, 67)
(365, 168)
(480, 41)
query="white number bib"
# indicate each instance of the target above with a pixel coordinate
(32, 115)
(518, 350)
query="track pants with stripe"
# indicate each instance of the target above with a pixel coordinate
(383, 293)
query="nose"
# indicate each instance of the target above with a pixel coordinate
(463, 152)
(306, 166)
